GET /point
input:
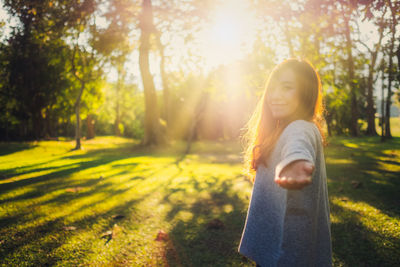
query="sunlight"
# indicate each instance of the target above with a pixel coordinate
(229, 36)
(226, 31)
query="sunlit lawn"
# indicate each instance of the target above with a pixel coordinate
(104, 205)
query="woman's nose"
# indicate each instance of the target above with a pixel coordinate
(275, 94)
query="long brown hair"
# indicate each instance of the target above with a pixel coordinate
(262, 131)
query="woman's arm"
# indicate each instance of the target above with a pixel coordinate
(298, 156)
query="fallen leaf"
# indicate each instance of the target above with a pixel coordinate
(111, 234)
(69, 228)
(74, 189)
(107, 234)
(161, 236)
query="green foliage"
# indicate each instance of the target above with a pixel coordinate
(34, 75)
(131, 108)
(57, 46)
(36, 68)
(337, 103)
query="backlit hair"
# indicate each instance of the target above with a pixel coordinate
(262, 131)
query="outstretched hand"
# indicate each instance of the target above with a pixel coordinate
(295, 175)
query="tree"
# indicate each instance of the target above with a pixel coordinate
(370, 112)
(170, 20)
(113, 43)
(382, 67)
(35, 67)
(154, 133)
(347, 11)
(85, 70)
(393, 22)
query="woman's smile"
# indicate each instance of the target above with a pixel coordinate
(283, 97)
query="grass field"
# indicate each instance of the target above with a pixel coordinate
(105, 204)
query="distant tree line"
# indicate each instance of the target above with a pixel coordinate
(53, 67)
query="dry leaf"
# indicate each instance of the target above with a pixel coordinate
(107, 234)
(111, 234)
(161, 236)
(74, 189)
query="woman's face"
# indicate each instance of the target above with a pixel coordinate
(284, 97)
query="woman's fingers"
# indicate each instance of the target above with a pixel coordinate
(308, 167)
(290, 183)
(296, 175)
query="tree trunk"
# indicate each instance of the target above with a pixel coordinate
(78, 118)
(90, 127)
(37, 125)
(117, 118)
(371, 128)
(393, 26)
(164, 82)
(383, 104)
(199, 111)
(77, 127)
(7, 137)
(388, 134)
(152, 128)
(354, 108)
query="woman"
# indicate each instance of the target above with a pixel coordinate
(287, 221)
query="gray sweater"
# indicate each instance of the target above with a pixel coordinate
(290, 227)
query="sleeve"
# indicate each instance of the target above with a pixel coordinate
(299, 143)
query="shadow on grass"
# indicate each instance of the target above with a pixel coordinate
(59, 181)
(379, 184)
(12, 147)
(204, 199)
(96, 153)
(356, 245)
(92, 158)
(194, 241)
(39, 235)
(193, 244)
(353, 243)
(49, 235)
(31, 227)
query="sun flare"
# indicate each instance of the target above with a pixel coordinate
(226, 31)
(230, 34)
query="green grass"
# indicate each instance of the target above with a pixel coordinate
(46, 188)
